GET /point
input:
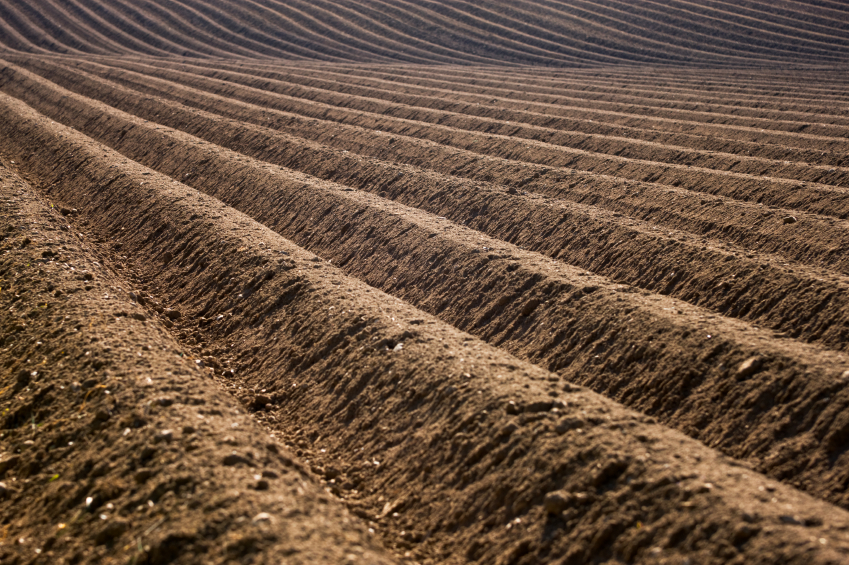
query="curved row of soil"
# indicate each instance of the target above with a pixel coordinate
(543, 32)
(569, 99)
(674, 263)
(459, 449)
(512, 141)
(663, 356)
(115, 447)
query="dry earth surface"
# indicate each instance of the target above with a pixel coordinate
(429, 282)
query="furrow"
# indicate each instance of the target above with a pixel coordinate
(495, 28)
(823, 132)
(186, 31)
(729, 281)
(587, 134)
(812, 197)
(628, 348)
(466, 453)
(704, 216)
(119, 437)
(571, 90)
(607, 101)
(389, 41)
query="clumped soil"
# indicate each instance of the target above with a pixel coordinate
(116, 445)
(255, 309)
(775, 403)
(448, 448)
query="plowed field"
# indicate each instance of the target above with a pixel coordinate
(432, 282)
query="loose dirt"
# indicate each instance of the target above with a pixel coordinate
(450, 448)
(446, 282)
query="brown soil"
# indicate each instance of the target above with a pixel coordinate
(539, 32)
(447, 446)
(560, 318)
(115, 448)
(429, 282)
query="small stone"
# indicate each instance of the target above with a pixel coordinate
(789, 220)
(3, 490)
(167, 257)
(263, 517)
(101, 415)
(512, 408)
(187, 430)
(172, 314)
(398, 347)
(787, 519)
(749, 367)
(261, 484)
(166, 435)
(557, 501)
(165, 401)
(845, 376)
(512, 190)
(75, 386)
(138, 316)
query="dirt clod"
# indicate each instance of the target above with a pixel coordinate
(749, 367)
(557, 501)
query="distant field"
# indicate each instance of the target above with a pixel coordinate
(388, 281)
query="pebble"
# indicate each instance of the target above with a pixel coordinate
(750, 366)
(845, 376)
(166, 435)
(172, 314)
(789, 220)
(263, 517)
